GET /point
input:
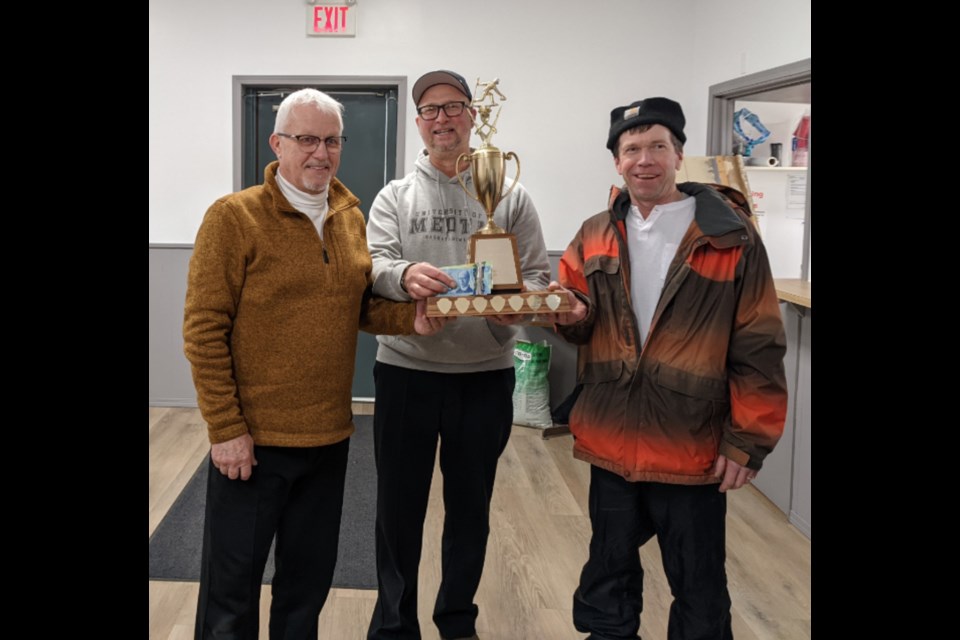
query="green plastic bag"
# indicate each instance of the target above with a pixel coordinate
(531, 395)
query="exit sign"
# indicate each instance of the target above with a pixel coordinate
(332, 20)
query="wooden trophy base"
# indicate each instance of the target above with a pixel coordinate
(498, 304)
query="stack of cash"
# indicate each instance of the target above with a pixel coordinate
(473, 279)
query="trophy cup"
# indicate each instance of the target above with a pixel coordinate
(491, 244)
(488, 168)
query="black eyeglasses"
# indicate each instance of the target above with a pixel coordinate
(309, 144)
(432, 111)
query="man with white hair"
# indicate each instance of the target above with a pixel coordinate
(279, 284)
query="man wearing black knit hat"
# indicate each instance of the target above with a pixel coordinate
(681, 362)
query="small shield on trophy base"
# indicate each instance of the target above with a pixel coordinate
(525, 303)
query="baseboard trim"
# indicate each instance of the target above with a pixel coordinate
(173, 402)
(800, 523)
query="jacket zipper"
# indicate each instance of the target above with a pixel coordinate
(323, 244)
(625, 282)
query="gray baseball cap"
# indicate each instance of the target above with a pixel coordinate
(441, 76)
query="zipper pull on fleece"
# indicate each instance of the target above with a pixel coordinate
(326, 258)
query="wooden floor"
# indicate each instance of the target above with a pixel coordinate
(540, 531)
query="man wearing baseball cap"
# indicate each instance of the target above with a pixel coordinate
(455, 389)
(681, 362)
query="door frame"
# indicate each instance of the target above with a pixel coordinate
(353, 82)
(751, 87)
(241, 85)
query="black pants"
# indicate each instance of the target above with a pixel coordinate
(296, 493)
(689, 522)
(471, 414)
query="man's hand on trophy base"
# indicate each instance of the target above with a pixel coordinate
(425, 325)
(423, 280)
(577, 312)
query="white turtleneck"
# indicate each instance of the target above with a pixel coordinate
(653, 243)
(313, 205)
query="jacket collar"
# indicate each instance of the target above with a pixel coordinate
(713, 215)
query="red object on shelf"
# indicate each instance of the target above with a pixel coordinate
(801, 138)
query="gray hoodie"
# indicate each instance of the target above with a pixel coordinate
(427, 217)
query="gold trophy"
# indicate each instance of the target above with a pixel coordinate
(488, 167)
(491, 243)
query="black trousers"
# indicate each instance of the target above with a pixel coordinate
(471, 414)
(295, 493)
(689, 522)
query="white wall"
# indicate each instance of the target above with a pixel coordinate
(563, 66)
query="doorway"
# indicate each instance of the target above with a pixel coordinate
(371, 155)
(790, 83)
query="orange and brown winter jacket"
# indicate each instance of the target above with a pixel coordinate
(710, 379)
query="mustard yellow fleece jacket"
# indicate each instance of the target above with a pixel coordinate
(272, 313)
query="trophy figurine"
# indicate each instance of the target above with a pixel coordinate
(491, 245)
(488, 168)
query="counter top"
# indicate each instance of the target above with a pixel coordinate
(794, 290)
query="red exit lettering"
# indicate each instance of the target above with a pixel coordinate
(329, 19)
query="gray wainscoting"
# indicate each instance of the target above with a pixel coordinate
(786, 475)
(800, 506)
(170, 382)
